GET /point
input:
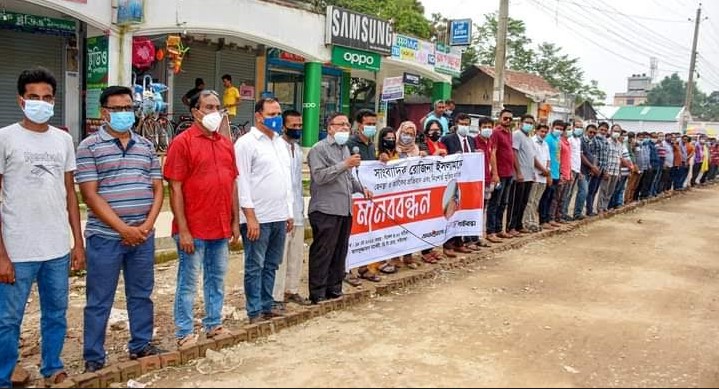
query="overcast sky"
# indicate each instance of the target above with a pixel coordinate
(612, 38)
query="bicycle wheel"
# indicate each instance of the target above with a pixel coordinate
(235, 132)
(165, 132)
(182, 126)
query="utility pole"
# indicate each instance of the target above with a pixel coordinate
(500, 55)
(692, 65)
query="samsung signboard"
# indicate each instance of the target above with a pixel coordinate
(358, 31)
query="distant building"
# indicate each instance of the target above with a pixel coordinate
(637, 87)
(647, 118)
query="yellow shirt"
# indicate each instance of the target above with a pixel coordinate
(231, 97)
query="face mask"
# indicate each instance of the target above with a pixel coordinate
(406, 139)
(557, 133)
(212, 121)
(341, 137)
(463, 130)
(38, 111)
(388, 144)
(369, 131)
(615, 135)
(540, 139)
(647, 141)
(294, 133)
(448, 111)
(122, 121)
(526, 127)
(434, 136)
(600, 136)
(486, 133)
(578, 132)
(273, 123)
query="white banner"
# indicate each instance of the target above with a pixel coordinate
(418, 203)
(393, 88)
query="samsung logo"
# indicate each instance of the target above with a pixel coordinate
(359, 31)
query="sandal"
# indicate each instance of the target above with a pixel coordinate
(429, 258)
(57, 377)
(188, 340)
(388, 269)
(369, 276)
(482, 243)
(352, 280)
(217, 331)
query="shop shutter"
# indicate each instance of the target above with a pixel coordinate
(199, 62)
(24, 50)
(241, 66)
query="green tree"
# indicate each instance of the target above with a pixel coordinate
(519, 54)
(671, 92)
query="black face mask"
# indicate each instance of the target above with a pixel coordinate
(434, 136)
(294, 134)
(388, 144)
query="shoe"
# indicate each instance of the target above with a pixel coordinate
(217, 331)
(295, 298)
(514, 233)
(146, 351)
(333, 295)
(257, 319)
(56, 378)
(316, 301)
(271, 315)
(494, 239)
(580, 217)
(505, 235)
(91, 367)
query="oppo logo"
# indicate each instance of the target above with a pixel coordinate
(309, 105)
(358, 59)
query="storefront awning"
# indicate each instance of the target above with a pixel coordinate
(393, 67)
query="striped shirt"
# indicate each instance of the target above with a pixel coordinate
(124, 178)
(627, 156)
(614, 158)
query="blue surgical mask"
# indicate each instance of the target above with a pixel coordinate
(294, 133)
(273, 123)
(122, 121)
(526, 128)
(578, 132)
(369, 131)
(341, 137)
(557, 133)
(38, 111)
(486, 133)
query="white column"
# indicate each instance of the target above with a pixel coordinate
(120, 61)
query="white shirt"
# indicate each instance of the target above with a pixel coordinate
(543, 157)
(298, 200)
(464, 141)
(35, 224)
(264, 183)
(576, 147)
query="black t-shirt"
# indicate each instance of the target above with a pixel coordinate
(192, 93)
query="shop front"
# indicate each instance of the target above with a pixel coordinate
(286, 81)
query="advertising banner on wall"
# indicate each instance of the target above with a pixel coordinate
(359, 31)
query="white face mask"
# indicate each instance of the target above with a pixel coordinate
(463, 130)
(212, 121)
(38, 111)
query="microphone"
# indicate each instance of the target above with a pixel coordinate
(355, 150)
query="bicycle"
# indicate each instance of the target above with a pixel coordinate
(159, 130)
(237, 130)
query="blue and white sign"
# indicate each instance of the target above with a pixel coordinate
(460, 32)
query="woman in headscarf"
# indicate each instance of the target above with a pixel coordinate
(406, 148)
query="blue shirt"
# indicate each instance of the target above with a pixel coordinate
(124, 178)
(442, 120)
(554, 151)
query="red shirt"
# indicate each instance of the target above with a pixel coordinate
(485, 145)
(502, 141)
(207, 169)
(565, 159)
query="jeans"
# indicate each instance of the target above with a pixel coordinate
(105, 259)
(211, 257)
(262, 259)
(656, 182)
(545, 203)
(617, 199)
(52, 284)
(594, 183)
(497, 206)
(568, 193)
(581, 200)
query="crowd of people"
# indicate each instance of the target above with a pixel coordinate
(537, 177)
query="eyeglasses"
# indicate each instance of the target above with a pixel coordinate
(342, 124)
(125, 108)
(505, 118)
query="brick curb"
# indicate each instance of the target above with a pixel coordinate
(121, 372)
